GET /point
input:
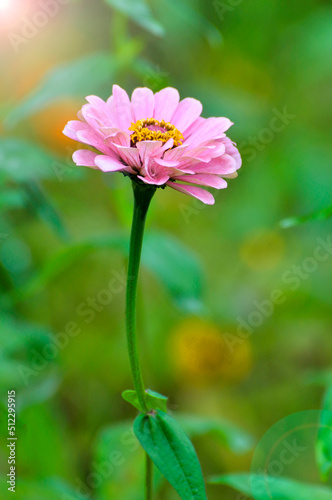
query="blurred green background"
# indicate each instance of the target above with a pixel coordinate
(64, 236)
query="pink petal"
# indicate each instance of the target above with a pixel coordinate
(157, 181)
(233, 151)
(186, 113)
(204, 180)
(225, 164)
(175, 154)
(85, 158)
(120, 108)
(211, 128)
(100, 111)
(148, 148)
(91, 138)
(108, 164)
(73, 127)
(199, 193)
(130, 156)
(117, 137)
(194, 126)
(166, 102)
(143, 103)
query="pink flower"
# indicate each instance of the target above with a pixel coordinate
(156, 138)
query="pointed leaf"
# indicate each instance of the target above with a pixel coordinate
(139, 12)
(131, 397)
(172, 452)
(156, 401)
(265, 488)
(297, 221)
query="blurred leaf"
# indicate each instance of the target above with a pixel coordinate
(174, 265)
(90, 74)
(228, 434)
(324, 441)
(39, 392)
(154, 400)
(296, 221)
(120, 461)
(139, 12)
(172, 452)
(47, 489)
(44, 208)
(177, 267)
(21, 160)
(265, 488)
(323, 378)
(11, 198)
(45, 443)
(193, 17)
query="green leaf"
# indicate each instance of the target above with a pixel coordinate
(296, 221)
(46, 489)
(265, 488)
(172, 452)
(131, 397)
(154, 400)
(22, 161)
(92, 74)
(139, 12)
(194, 18)
(40, 204)
(324, 440)
(177, 267)
(227, 433)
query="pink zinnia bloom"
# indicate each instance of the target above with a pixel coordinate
(158, 139)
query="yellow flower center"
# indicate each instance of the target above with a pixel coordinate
(155, 130)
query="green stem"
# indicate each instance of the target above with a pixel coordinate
(148, 478)
(142, 196)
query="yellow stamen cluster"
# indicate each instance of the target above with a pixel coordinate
(141, 132)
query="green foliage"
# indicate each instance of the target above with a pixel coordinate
(139, 12)
(278, 488)
(172, 452)
(90, 74)
(154, 400)
(175, 266)
(225, 432)
(296, 221)
(324, 441)
(23, 161)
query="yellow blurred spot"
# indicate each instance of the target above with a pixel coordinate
(201, 353)
(49, 124)
(263, 250)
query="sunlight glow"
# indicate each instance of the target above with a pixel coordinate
(5, 4)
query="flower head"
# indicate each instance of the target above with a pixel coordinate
(157, 139)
